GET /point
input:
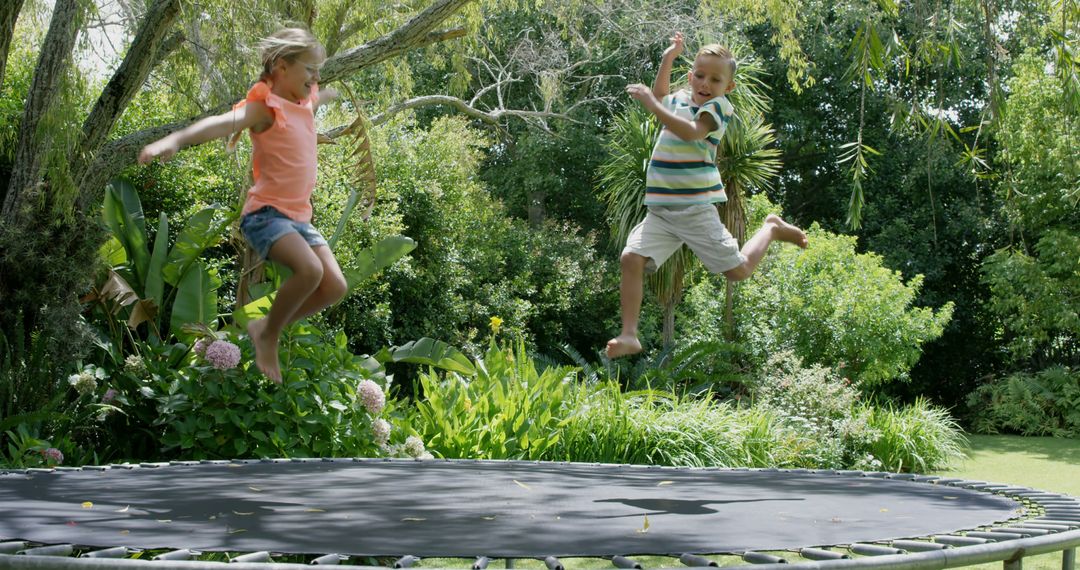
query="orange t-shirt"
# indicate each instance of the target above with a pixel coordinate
(283, 156)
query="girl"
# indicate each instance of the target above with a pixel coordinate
(280, 111)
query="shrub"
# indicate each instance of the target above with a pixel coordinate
(508, 410)
(837, 308)
(1044, 403)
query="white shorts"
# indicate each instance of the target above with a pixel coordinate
(666, 228)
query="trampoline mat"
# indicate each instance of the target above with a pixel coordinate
(470, 508)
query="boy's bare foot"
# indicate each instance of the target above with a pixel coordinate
(265, 350)
(623, 345)
(786, 232)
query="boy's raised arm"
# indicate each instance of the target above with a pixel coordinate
(662, 85)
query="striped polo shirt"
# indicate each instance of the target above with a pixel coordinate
(684, 172)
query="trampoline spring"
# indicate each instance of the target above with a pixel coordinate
(624, 562)
(762, 558)
(13, 546)
(995, 535)
(553, 563)
(822, 554)
(874, 549)
(182, 554)
(955, 540)
(1059, 522)
(115, 552)
(406, 561)
(330, 559)
(481, 563)
(695, 560)
(54, 550)
(260, 556)
(1044, 526)
(919, 545)
(1026, 531)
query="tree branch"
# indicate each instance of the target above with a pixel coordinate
(414, 33)
(30, 147)
(144, 53)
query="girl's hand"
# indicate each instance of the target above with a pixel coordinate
(163, 149)
(676, 48)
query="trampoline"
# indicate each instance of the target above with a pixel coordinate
(409, 509)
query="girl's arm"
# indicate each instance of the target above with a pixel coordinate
(325, 96)
(687, 130)
(662, 85)
(254, 114)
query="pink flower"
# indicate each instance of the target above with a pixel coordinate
(371, 395)
(52, 455)
(201, 345)
(222, 354)
(109, 396)
(380, 431)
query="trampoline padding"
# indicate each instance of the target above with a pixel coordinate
(466, 508)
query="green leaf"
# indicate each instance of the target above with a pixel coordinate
(123, 215)
(155, 284)
(370, 261)
(200, 232)
(434, 353)
(196, 300)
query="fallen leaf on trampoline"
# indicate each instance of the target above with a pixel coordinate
(125, 532)
(950, 498)
(71, 523)
(413, 519)
(884, 510)
(662, 483)
(124, 510)
(644, 527)
(314, 511)
(164, 520)
(236, 530)
(242, 514)
(491, 518)
(522, 485)
(256, 489)
(87, 505)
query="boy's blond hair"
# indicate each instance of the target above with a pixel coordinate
(287, 43)
(721, 52)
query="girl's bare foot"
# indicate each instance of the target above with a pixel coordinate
(266, 357)
(784, 231)
(623, 345)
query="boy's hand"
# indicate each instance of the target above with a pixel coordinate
(163, 149)
(676, 48)
(642, 93)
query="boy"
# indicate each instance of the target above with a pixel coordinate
(683, 184)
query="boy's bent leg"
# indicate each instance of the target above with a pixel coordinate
(630, 294)
(755, 248)
(294, 252)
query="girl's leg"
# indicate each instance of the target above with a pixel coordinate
(293, 252)
(331, 289)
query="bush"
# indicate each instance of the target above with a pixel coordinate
(1044, 403)
(508, 410)
(209, 400)
(837, 308)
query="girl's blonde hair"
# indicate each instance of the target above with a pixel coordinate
(721, 52)
(288, 43)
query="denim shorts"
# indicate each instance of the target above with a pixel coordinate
(266, 225)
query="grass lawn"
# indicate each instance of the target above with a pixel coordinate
(1045, 463)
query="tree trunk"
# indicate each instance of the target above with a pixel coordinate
(733, 214)
(536, 208)
(147, 49)
(33, 142)
(9, 14)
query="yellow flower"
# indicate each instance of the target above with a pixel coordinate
(496, 322)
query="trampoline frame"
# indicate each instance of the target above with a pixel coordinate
(1055, 529)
